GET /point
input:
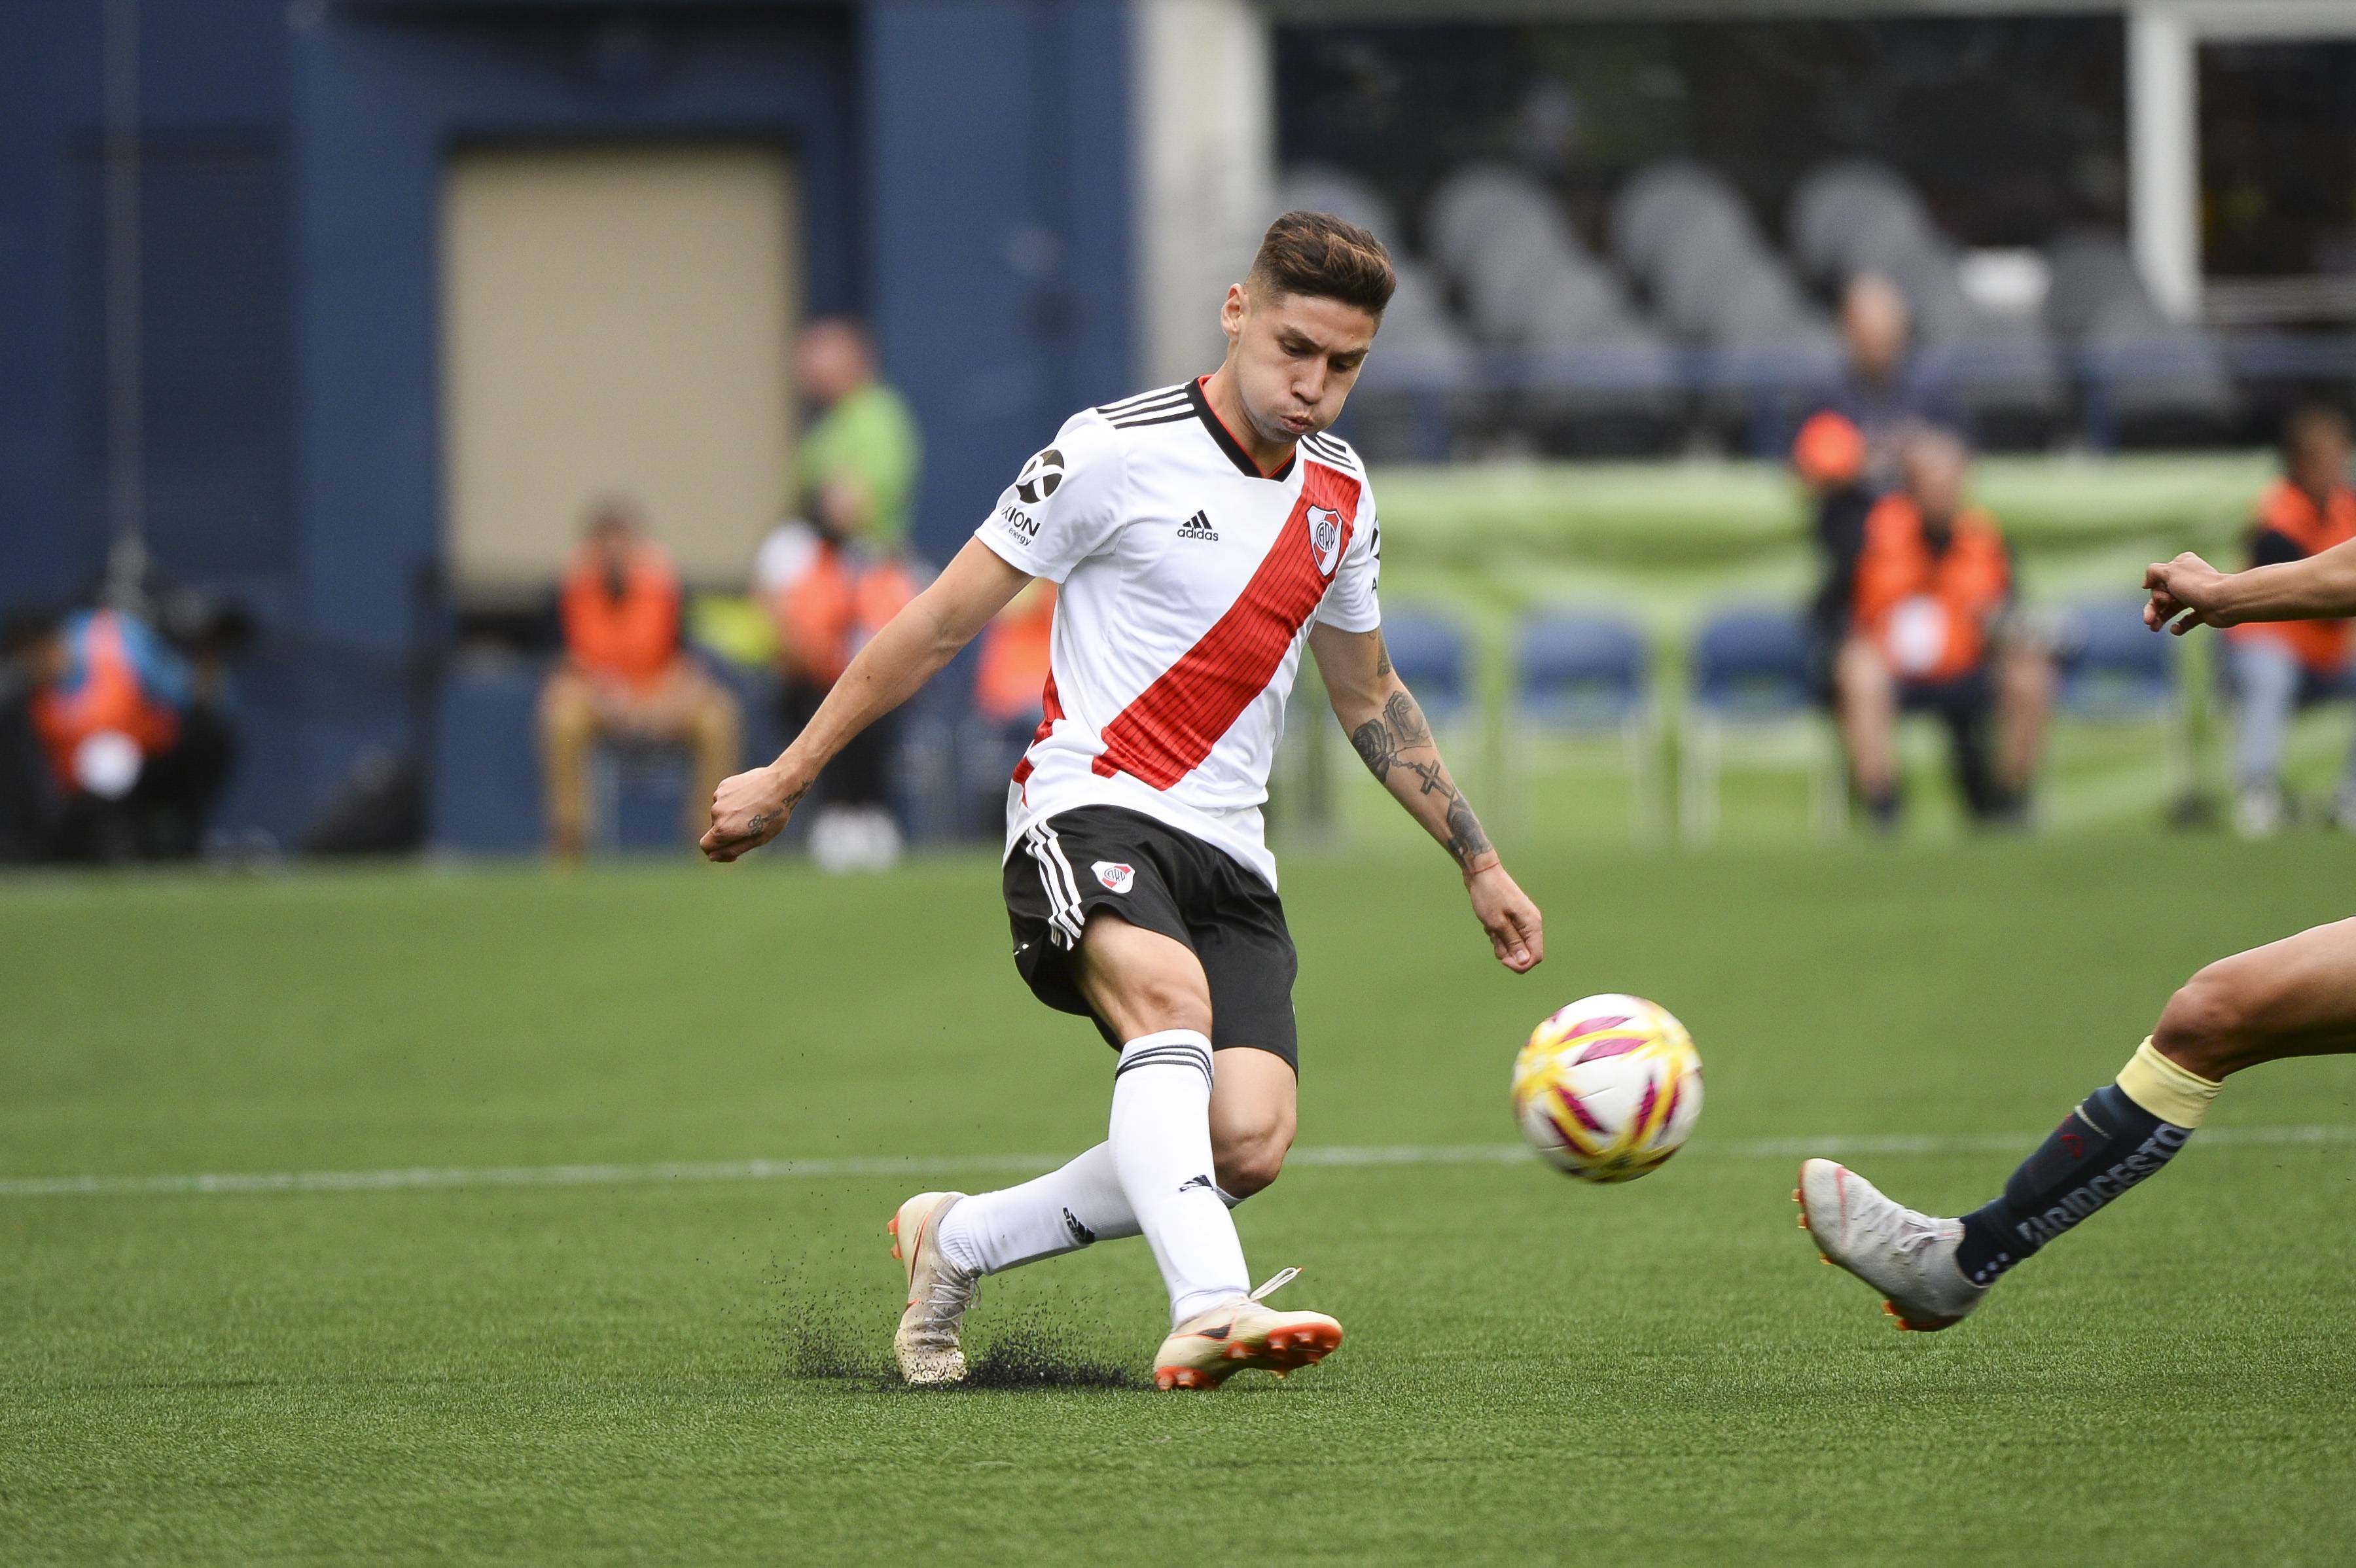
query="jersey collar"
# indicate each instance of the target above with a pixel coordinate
(1227, 443)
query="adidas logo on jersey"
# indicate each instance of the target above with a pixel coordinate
(1198, 527)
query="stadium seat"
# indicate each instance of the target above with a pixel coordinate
(1669, 205)
(1322, 188)
(2113, 669)
(486, 793)
(636, 787)
(1586, 675)
(1848, 210)
(1483, 208)
(2089, 268)
(1579, 370)
(1414, 392)
(1712, 281)
(2152, 383)
(1752, 700)
(1430, 653)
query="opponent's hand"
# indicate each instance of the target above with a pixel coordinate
(2185, 592)
(1506, 912)
(748, 809)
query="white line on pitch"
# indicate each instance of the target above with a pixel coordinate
(945, 1165)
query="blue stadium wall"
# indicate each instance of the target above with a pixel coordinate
(967, 189)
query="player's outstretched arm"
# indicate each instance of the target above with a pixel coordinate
(749, 809)
(2189, 592)
(1387, 726)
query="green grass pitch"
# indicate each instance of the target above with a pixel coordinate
(683, 1371)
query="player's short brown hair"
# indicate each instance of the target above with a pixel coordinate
(1321, 255)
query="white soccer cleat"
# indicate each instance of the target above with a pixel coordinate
(1211, 1347)
(939, 1294)
(1910, 1258)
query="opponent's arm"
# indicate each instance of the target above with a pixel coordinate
(1387, 728)
(2189, 592)
(749, 809)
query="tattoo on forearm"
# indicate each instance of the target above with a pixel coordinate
(1406, 720)
(1466, 842)
(1433, 778)
(1400, 727)
(1380, 743)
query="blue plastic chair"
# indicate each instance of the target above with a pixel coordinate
(1579, 674)
(1429, 654)
(1753, 698)
(1753, 664)
(2114, 669)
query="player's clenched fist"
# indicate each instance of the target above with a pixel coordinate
(748, 809)
(2185, 592)
(1506, 912)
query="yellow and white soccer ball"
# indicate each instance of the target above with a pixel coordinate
(1608, 1089)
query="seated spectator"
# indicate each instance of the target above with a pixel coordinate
(833, 574)
(1931, 630)
(1847, 452)
(110, 749)
(625, 677)
(2277, 666)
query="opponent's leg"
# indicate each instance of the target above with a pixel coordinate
(2294, 997)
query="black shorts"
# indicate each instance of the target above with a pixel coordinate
(1103, 858)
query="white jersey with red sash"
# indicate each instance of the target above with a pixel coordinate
(1188, 582)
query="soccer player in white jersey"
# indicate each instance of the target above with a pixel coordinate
(2296, 997)
(1202, 536)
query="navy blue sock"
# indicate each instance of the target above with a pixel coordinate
(2100, 1149)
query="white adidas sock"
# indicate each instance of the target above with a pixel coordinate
(1059, 1212)
(1161, 1144)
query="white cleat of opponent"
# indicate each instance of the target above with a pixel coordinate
(1910, 1258)
(1211, 1347)
(939, 1294)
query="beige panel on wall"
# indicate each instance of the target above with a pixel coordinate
(615, 319)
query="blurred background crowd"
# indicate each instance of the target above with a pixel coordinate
(478, 428)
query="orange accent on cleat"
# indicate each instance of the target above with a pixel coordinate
(1907, 1326)
(891, 1229)
(1182, 1377)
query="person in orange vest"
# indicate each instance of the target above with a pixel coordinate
(108, 751)
(2278, 667)
(1931, 629)
(828, 591)
(625, 676)
(1846, 453)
